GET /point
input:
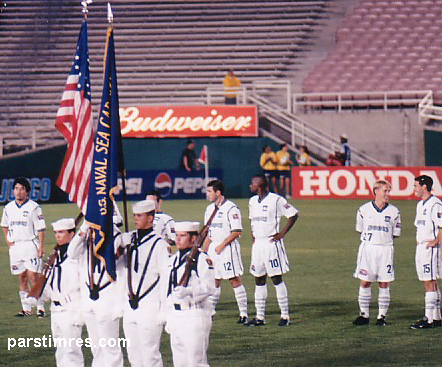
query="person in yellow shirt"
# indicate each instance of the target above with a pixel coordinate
(303, 159)
(231, 84)
(268, 163)
(283, 167)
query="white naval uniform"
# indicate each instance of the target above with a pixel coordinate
(377, 228)
(164, 226)
(63, 289)
(23, 223)
(228, 263)
(102, 315)
(428, 222)
(149, 258)
(268, 257)
(189, 319)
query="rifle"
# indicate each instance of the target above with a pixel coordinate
(191, 257)
(37, 288)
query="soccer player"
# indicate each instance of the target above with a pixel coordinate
(428, 224)
(24, 227)
(147, 258)
(62, 287)
(188, 310)
(223, 246)
(163, 224)
(378, 222)
(283, 167)
(268, 251)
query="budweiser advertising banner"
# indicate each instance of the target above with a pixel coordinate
(188, 121)
(356, 182)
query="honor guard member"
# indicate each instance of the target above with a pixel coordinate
(24, 227)
(147, 259)
(223, 246)
(63, 289)
(379, 223)
(428, 224)
(163, 224)
(268, 251)
(188, 309)
(101, 301)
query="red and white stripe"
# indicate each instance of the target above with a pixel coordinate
(74, 121)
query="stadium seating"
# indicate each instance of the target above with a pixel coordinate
(384, 46)
(167, 52)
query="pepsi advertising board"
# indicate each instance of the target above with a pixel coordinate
(172, 184)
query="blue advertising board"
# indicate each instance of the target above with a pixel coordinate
(172, 184)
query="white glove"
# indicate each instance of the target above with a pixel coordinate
(84, 227)
(181, 292)
(126, 239)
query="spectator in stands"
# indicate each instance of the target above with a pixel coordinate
(231, 84)
(188, 159)
(303, 159)
(283, 165)
(344, 154)
(268, 163)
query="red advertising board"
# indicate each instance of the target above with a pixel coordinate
(356, 182)
(188, 121)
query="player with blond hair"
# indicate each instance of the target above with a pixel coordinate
(378, 222)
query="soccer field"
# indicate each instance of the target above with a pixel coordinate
(322, 248)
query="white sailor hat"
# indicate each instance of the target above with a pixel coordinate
(344, 135)
(144, 206)
(187, 226)
(64, 224)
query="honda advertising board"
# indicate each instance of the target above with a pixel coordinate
(356, 182)
(172, 184)
(188, 121)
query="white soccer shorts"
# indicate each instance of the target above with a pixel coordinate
(228, 263)
(268, 257)
(24, 255)
(428, 262)
(375, 263)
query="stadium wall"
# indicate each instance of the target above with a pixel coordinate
(238, 158)
(387, 136)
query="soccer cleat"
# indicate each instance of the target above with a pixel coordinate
(23, 313)
(361, 320)
(243, 320)
(255, 322)
(422, 324)
(437, 323)
(41, 314)
(381, 321)
(284, 322)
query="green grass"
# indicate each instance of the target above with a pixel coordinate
(322, 250)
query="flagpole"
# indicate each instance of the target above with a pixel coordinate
(206, 165)
(84, 4)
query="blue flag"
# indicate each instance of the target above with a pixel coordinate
(107, 162)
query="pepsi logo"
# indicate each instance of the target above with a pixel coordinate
(163, 183)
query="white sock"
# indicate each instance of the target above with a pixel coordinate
(283, 300)
(364, 300)
(40, 304)
(260, 301)
(214, 298)
(241, 300)
(24, 304)
(430, 303)
(437, 313)
(383, 301)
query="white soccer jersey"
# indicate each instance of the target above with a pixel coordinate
(265, 214)
(226, 220)
(428, 219)
(164, 226)
(23, 221)
(376, 226)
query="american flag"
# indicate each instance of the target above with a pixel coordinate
(74, 121)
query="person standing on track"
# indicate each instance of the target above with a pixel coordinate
(428, 224)
(269, 257)
(24, 227)
(223, 247)
(379, 223)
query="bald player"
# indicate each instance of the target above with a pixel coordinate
(268, 252)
